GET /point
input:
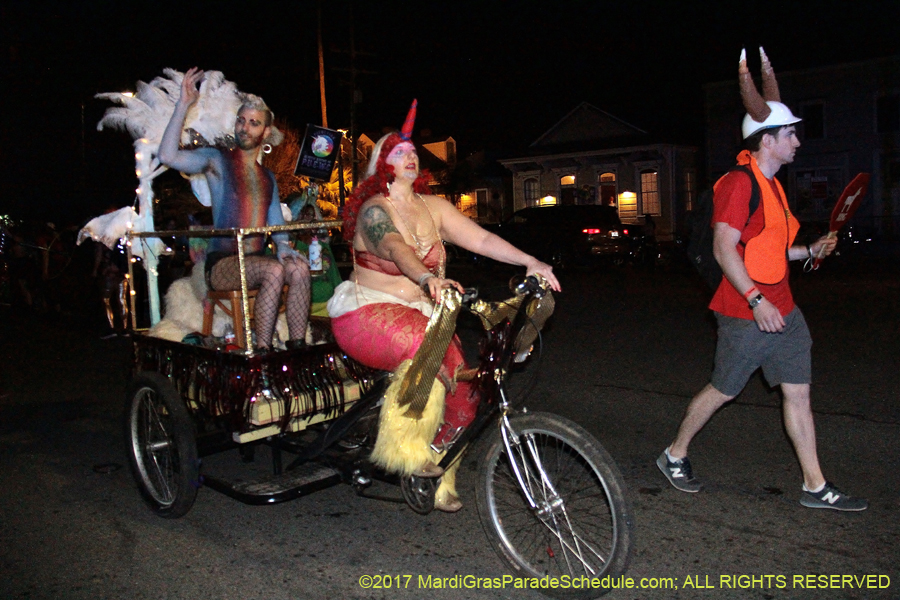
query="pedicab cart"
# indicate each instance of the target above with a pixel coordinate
(550, 498)
(187, 401)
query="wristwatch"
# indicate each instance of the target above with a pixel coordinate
(754, 302)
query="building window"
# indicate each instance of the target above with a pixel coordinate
(628, 207)
(468, 205)
(689, 188)
(608, 189)
(567, 192)
(813, 122)
(650, 192)
(532, 191)
(887, 111)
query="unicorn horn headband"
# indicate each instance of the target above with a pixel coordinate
(406, 132)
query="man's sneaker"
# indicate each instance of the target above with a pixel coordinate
(831, 497)
(679, 473)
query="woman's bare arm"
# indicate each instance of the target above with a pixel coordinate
(462, 231)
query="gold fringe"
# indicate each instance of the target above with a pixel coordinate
(404, 443)
(426, 364)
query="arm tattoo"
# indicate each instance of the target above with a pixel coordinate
(377, 224)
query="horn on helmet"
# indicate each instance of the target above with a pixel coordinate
(769, 83)
(754, 103)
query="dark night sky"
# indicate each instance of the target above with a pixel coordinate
(492, 74)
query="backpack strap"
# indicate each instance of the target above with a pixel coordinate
(754, 190)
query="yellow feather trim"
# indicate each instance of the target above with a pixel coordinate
(447, 489)
(404, 443)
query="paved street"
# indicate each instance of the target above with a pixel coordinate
(623, 355)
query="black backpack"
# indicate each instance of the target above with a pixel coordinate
(700, 233)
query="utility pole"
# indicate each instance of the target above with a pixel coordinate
(321, 66)
(354, 163)
(355, 96)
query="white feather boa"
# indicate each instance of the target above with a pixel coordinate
(184, 310)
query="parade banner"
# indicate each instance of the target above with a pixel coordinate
(318, 152)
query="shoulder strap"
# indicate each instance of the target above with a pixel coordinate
(754, 189)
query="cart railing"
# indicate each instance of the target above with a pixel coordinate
(239, 233)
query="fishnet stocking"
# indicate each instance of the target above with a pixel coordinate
(269, 276)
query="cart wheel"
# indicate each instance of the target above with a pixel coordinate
(162, 445)
(419, 493)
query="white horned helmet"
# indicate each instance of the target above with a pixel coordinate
(763, 111)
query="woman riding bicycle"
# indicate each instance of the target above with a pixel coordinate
(379, 316)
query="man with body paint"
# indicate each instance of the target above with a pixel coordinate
(244, 194)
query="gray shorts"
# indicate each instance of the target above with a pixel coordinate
(742, 348)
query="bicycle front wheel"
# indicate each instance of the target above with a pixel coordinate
(553, 505)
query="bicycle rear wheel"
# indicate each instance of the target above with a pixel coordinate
(580, 525)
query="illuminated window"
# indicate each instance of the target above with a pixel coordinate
(532, 192)
(608, 189)
(567, 180)
(468, 205)
(650, 192)
(628, 206)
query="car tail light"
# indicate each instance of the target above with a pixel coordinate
(590, 231)
(624, 232)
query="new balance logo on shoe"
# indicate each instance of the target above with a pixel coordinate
(678, 473)
(831, 498)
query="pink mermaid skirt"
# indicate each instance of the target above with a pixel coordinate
(384, 335)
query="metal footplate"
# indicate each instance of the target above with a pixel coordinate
(305, 479)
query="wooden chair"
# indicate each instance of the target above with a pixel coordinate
(230, 302)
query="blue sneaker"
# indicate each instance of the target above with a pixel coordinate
(831, 497)
(679, 473)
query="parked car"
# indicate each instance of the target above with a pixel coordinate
(563, 235)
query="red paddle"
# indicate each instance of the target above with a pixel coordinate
(845, 207)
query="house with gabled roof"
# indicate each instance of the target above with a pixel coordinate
(592, 157)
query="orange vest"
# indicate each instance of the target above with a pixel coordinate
(765, 255)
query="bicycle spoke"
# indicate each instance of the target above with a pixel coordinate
(157, 448)
(550, 505)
